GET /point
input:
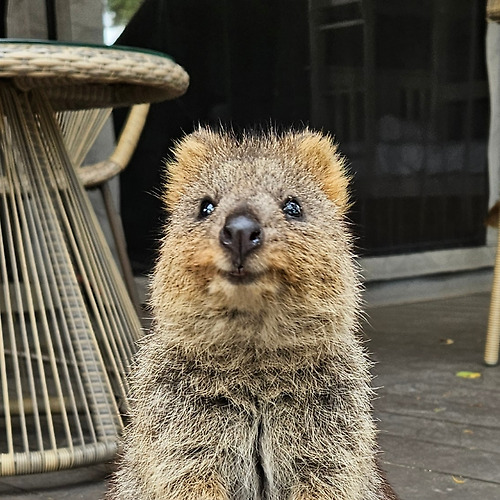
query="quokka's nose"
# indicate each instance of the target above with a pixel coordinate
(241, 235)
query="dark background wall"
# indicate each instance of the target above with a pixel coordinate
(401, 85)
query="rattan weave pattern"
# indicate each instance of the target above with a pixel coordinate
(81, 77)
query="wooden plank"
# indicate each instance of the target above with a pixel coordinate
(445, 459)
(412, 483)
(457, 393)
(438, 410)
(467, 436)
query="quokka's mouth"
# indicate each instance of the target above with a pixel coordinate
(240, 276)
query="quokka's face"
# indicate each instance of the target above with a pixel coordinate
(250, 220)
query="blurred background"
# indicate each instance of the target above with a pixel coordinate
(402, 86)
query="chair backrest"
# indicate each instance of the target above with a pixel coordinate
(80, 130)
(493, 10)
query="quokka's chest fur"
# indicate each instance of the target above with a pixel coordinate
(263, 427)
(253, 384)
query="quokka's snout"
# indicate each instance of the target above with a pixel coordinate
(241, 235)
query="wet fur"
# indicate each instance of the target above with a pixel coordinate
(258, 391)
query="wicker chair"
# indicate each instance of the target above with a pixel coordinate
(493, 331)
(491, 350)
(68, 327)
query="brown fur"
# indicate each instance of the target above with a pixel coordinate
(256, 391)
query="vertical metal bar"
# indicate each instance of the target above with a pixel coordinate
(370, 82)
(467, 212)
(50, 13)
(369, 107)
(316, 67)
(3, 18)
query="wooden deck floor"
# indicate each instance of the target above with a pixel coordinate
(440, 433)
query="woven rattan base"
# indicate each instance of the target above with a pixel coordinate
(68, 328)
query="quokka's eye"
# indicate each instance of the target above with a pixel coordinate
(207, 207)
(292, 209)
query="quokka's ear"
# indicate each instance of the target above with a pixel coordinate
(188, 156)
(320, 156)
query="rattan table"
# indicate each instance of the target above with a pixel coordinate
(68, 328)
